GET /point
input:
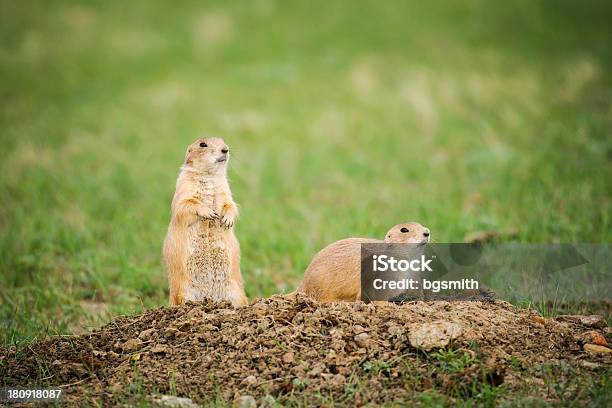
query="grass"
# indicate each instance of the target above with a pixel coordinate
(342, 120)
(445, 378)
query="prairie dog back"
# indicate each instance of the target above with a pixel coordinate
(334, 274)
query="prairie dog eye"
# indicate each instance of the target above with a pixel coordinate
(203, 144)
(404, 230)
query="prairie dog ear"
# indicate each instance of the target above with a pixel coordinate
(189, 156)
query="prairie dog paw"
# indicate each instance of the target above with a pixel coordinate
(227, 220)
(207, 213)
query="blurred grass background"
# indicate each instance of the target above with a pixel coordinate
(343, 118)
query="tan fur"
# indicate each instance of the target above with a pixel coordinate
(335, 272)
(201, 252)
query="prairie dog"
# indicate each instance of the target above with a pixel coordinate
(335, 272)
(201, 252)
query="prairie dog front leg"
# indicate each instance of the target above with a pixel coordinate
(188, 210)
(229, 213)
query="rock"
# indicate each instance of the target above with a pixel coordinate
(595, 349)
(590, 365)
(250, 381)
(316, 370)
(339, 379)
(74, 369)
(132, 345)
(362, 340)
(268, 401)
(336, 333)
(288, 357)
(245, 401)
(146, 334)
(179, 402)
(160, 349)
(434, 335)
(170, 332)
(495, 363)
(327, 376)
(194, 314)
(594, 337)
(595, 321)
(395, 330)
(260, 309)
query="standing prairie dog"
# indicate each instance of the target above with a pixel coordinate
(335, 272)
(201, 252)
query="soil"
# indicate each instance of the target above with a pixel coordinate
(280, 349)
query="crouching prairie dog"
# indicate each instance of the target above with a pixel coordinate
(201, 252)
(334, 273)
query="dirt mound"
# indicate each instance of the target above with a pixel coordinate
(283, 350)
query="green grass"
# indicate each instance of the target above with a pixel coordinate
(446, 378)
(342, 120)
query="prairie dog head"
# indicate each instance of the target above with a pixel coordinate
(408, 233)
(208, 154)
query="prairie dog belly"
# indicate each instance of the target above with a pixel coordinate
(208, 262)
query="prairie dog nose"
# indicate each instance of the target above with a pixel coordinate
(224, 150)
(426, 232)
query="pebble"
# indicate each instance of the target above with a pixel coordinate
(336, 333)
(251, 380)
(362, 340)
(245, 401)
(395, 330)
(595, 349)
(132, 345)
(178, 402)
(590, 365)
(268, 401)
(160, 349)
(595, 321)
(170, 332)
(146, 334)
(434, 335)
(594, 337)
(289, 357)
